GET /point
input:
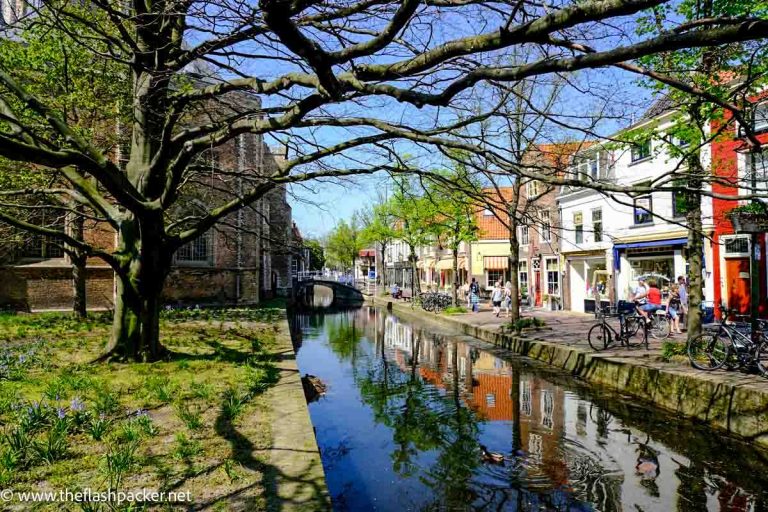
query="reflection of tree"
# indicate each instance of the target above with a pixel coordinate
(692, 490)
(423, 420)
(344, 334)
(593, 483)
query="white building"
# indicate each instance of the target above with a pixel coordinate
(610, 240)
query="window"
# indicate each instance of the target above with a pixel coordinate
(522, 273)
(643, 208)
(40, 246)
(680, 204)
(492, 276)
(736, 246)
(553, 277)
(547, 408)
(198, 250)
(594, 168)
(532, 189)
(526, 402)
(641, 150)
(546, 228)
(524, 235)
(597, 224)
(757, 177)
(760, 122)
(578, 227)
(490, 400)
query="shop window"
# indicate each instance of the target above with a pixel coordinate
(597, 224)
(641, 151)
(597, 284)
(524, 235)
(523, 277)
(492, 276)
(643, 207)
(197, 251)
(553, 277)
(546, 227)
(578, 227)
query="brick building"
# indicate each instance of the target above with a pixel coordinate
(248, 256)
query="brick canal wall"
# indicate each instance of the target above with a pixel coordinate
(729, 402)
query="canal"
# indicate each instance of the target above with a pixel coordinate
(420, 418)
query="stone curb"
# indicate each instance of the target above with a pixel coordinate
(738, 408)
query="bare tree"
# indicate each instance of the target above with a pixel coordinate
(330, 78)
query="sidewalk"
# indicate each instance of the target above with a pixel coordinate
(732, 402)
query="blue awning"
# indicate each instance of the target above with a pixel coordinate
(636, 245)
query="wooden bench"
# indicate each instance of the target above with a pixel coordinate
(407, 296)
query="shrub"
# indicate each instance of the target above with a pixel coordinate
(673, 350)
(232, 404)
(455, 310)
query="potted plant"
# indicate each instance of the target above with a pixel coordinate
(749, 218)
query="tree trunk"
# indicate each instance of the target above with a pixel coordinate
(415, 284)
(695, 246)
(79, 299)
(455, 284)
(79, 305)
(140, 280)
(514, 262)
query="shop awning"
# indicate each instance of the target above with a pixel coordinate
(650, 243)
(496, 262)
(447, 263)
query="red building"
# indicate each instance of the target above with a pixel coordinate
(734, 254)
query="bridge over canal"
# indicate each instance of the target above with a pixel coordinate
(323, 290)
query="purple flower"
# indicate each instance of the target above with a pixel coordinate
(61, 413)
(141, 412)
(76, 404)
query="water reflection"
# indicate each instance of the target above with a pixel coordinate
(408, 410)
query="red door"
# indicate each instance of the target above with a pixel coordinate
(537, 281)
(737, 275)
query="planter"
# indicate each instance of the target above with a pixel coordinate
(748, 222)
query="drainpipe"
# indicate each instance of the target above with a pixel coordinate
(239, 234)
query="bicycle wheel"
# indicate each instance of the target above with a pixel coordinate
(761, 358)
(634, 332)
(600, 337)
(708, 351)
(659, 327)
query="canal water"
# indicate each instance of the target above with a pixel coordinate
(417, 418)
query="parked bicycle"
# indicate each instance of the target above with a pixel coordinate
(633, 330)
(434, 301)
(730, 344)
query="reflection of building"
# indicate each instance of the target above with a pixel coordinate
(542, 426)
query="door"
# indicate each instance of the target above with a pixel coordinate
(737, 275)
(537, 284)
(578, 285)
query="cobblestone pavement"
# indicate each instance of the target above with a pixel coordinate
(565, 327)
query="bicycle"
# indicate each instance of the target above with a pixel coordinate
(733, 345)
(434, 301)
(603, 335)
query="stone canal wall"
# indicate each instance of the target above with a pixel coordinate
(730, 402)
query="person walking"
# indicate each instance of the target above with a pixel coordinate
(507, 298)
(673, 308)
(497, 295)
(683, 292)
(474, 295)
(465, 294)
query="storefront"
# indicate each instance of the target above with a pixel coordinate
(444, 272)
(662, 260)
(495, 269)
(588, 279)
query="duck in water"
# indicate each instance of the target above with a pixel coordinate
(489, 456)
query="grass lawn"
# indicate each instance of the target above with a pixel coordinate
(198, 422)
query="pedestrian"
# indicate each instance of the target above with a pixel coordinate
(683, 292)
(673, 308)
(497, 295)
(474, 295)
(639, 295)
(465, 294)
(653, 303)
(507, 297)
